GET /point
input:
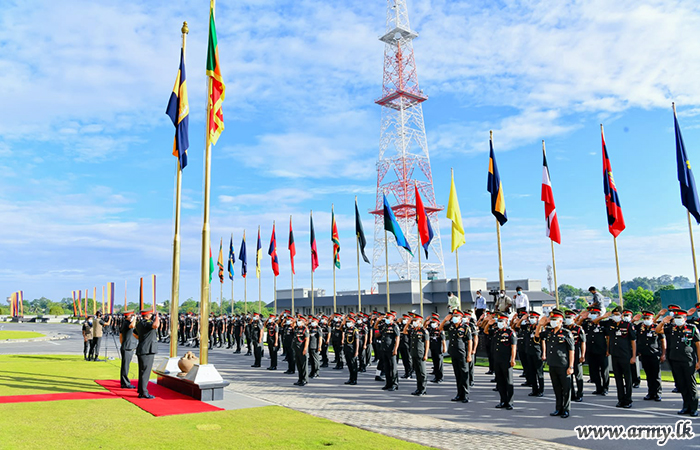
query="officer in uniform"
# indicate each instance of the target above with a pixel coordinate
(650, 348)
(459, 335)
(128, 345)
(146, 349)
(579, 354)
(438, 346)
(378, 325)
(558, 348)
(351, 348)
(249, 334)
(300, 345)
(469, 320)
(594, 325)
(526, 326)
(522, 348)
(363, 330)
(256, 336)
(389, 349)
(505, 348)
(683, 354)
(87, 338)
(419, 343)
(404, 348)
(622, 346)
(326, 330)
(337, 341)
(316, 337)
(272, 341)
(288, 337)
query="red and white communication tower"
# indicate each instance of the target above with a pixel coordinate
(403, 155)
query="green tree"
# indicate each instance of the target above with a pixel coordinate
(567, 290)
(657, 295)
(639, 299)
(56, 310)
(581, 303)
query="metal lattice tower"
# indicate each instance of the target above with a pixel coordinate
(403, 148)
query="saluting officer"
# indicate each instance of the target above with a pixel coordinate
(288, 337)
(390, 346)
(594, 325)
(351, 348)
(337, 341)
(558, 347)
(459, 349)
(683, 350)
(146, 350)
(505, 348)
(256, 336)
(419, 341)
(363, 330)
(622, 346)
(404, 348)
(273, 341)
(316, 338)
(301, 349)
(438, 346)
(469, 320)
(579, 354)
(533, 352)
(651, 347)
(128, 345)
(326, 330)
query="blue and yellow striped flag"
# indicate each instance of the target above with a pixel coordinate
(179, 111)
(495, 187)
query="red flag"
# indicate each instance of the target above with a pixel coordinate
(550, 211)
(425, 231)
(292, 247)
(272, 251)
(616, 223)
(314, 250)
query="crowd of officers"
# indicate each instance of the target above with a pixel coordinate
(564, 340)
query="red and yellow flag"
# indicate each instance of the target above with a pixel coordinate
(217, 89)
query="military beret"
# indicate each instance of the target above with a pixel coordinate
(149, 311)
(626, 311)
(417, 316)
(648, 313)
(570, 312)
(680, 312)
(556, 313)
(502, 315)
(456, 312)
(673, 307)
(128, 313)
(534, 313)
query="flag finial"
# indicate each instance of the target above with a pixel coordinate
(185, 29)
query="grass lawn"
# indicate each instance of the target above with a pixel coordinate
(4, 335)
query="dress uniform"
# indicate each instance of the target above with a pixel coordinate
(272, 341)
(404, 349)
(363, 330)
(288, 337)
(506, 341)
(301, 349)
(474, 331)
(522, 347)
(256, 334)
(126, 350)
(238, 327)
(389, 348)
(337, 341)
(419, 341)
(683, 352)
(248, 335)
(458, 333)
(596, 350)
(351, 349)
(437, 347)
(534, 355)
(146, 349)
(579, 355)
(316, 338)
(559, 350)
(650, 347)
(326, 330)
(622, 348)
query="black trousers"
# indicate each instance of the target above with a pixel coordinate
(126, 356)
(239, 341)
(257, 352)
(536, 371)
(623, 379)
(504, 381)
(302, 362)
(684, 376)
(436, 355)
(352, 363)
(405, 355)
(145, 367)
(577, 380)
(314, 362)
(561, 384)
(459, 365)
(650, 364)
(338, 353)
(522, 357)
(419, 370)
(86, 348)
(599, 370)
(324, 353)
(391, 371)
(273, 354)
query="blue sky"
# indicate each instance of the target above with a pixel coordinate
(86, 193)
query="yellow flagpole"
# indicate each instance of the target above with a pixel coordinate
(617, 265)
(103, 299)
(502, 283)
(124, 295)
(554, 267)
(94, 300)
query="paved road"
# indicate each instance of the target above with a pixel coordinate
(530, 418)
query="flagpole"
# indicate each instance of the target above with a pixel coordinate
(359, 288)
(275, 289)
(232, 277)
(695, 264)
(617, 265)
(94, 300)
(245, 294)
(502, 283)
(420, 276)
(124, 295)
(290, 228)
(313, 310)
(103, 299)
(458, 282)
(260, 275)
(334, 309)
(386, 255)
(554, 267)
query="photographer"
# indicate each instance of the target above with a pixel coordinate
(97, 331)
(87, 338)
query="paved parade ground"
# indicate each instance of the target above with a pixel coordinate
(431, 420)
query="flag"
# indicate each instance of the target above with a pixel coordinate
(258, 256)
(689, 196)
(291, 246)
(550, 211)
(616, 223)
(217, 90)
(425, 230)
(75, 311)
(454, 214)
(231, 259)
(272, 251)
(220, 261)
(495, 187)
(211, 266)
(80, 303)
(336, 240)
(314, 251)
(243, 257)
(13, 306)
(392, 225)
(179, 111)
(360, 232)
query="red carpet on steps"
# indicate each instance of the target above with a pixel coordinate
(52, 397)
(166, 403)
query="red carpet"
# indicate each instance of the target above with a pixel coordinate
(166, 403)
(52, 397)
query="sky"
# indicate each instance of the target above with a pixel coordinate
(87, 186)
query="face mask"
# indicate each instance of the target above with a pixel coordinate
(323, 321)
(387, 320)
(679, 321)
(465, 319)
(533, 320)
(568, 321)
(89, 322)
(455, 320)
(300, 323)
(289, 322)
(501, 324)
(554, 323)
(627, 318)
(364, 320)
(648, 322)
(416, 324)
(351, 325)
(313, 324)
(616, 318)
(593, 316)
(520, 292)
(433, 325)
(404, 321)
(502, 295)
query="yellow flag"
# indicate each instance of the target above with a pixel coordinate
(455, 216)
